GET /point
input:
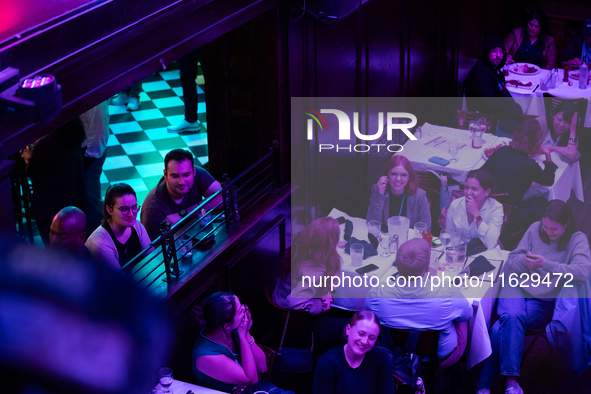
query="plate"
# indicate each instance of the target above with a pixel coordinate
(574, 74)
(520, 85)
(518, 68)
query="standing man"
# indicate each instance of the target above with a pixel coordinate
(96, 126)
(180, 190)
(486, 91)
(188, 73)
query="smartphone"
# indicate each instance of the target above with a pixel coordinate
(436, 242)
(366, 269)
(439, 160)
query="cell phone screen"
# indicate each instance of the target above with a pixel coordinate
(366, 269)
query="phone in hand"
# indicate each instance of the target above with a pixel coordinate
(366, 269)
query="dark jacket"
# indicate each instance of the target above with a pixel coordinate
(573, 49)
(503, 165)
(486, 91)
(516, 37)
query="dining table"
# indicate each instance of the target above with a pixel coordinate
(434, 142)
(531, 99)
(480, 293)
(180, 387)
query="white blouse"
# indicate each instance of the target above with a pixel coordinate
(490, 228)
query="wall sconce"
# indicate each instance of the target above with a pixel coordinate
(37, 99)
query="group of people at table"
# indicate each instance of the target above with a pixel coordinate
(352, 362)
(485, 87)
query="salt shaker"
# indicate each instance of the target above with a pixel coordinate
(394, 244)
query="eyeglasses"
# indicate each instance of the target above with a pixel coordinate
(125, 210)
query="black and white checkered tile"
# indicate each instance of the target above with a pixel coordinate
(139, 139)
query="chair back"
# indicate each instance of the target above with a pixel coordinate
(580, 104)
(465, 117)
(299, 320)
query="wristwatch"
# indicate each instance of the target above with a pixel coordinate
(573, 139)
(478, 218)
(183, 213)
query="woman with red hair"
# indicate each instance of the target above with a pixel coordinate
(397, 193)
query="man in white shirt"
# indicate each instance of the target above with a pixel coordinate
(417, 307)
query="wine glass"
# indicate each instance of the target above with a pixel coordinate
(453, 150)
(165, 375)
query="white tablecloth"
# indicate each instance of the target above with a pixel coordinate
(179, 387)
(532, 102)
(434, 142)
(568, 176)
(478, 348)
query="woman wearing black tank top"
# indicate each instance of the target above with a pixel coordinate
(121, 236)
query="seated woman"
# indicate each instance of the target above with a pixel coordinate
(120, 237)
(357, 367)
(551, 246)
(532, 42)
(314, 256)
(225, 355)
(397, 193)
(476, 216)
(513, 172)
(555, 127)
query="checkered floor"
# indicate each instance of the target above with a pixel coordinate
(139, 139)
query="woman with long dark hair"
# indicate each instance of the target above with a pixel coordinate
(358, 366)
(532, 42)
(121, 236)
(560, 129)
(225, 355)
(551, 249)
(397, 193)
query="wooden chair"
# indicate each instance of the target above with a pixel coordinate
(298, 332)
(465, 117)
(426, 347)
(580, 104)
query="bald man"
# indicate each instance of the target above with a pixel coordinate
(67, 231)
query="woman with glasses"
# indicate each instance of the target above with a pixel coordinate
(120, 237)
(397, 193)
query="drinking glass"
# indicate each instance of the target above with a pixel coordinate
(165, 375)
(373, 227)
(356, 255)
(453, 150)
(445, 238)
(453, 270)
(419, 228)
(451, 256)
(461, 249)
(385, 244)
(543, 83)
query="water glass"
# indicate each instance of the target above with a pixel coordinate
(543, 83)
(461, 249)
(356, 255)
(385, 244)
(445, 238)
(165, 375)
(419, 228)
(373, 227)
(451, 256)
(453, 270)
(453, 150)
